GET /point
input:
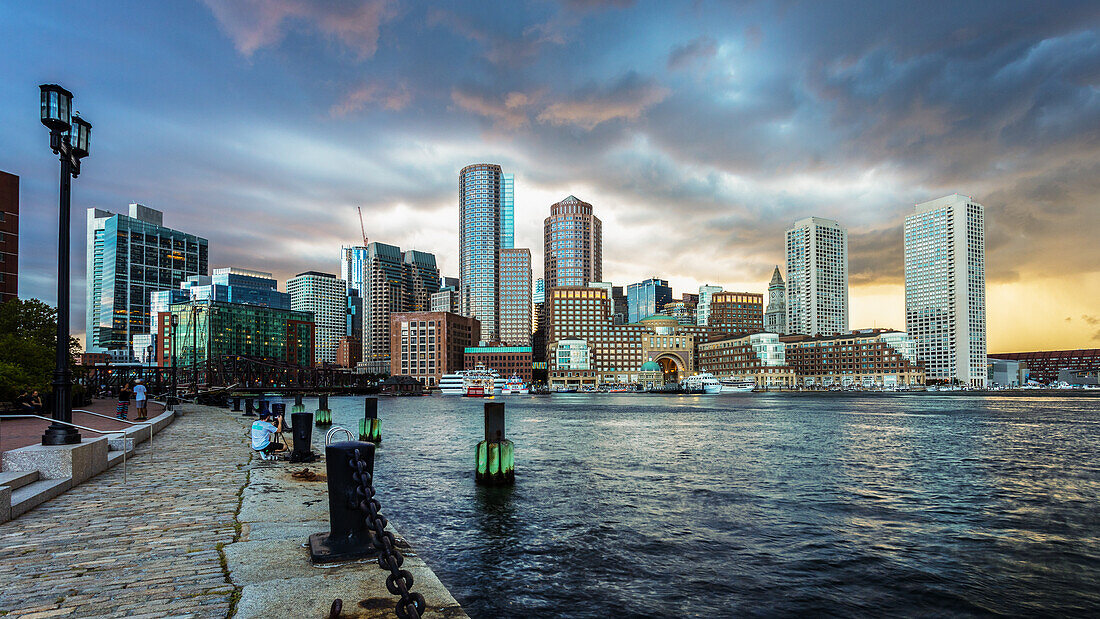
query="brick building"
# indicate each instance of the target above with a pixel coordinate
(508, 361)
(349, 351)
(736, 312)
(1043, 365)
(758, 357)
(865, 358)
(427, 345)
(9, 236)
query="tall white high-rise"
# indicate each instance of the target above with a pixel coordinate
(817, 277)
(485, 226)
(327, 297)
(945, 288)
(702, 309)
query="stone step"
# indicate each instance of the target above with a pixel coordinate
(36, 493)
(17, 479)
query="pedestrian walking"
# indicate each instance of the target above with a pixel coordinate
(123, 407)
(140, 400)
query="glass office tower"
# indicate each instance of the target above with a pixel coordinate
(128, 258)
(482, 222)
(646, 299)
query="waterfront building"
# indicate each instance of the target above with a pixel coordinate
(394, 281)
(326, 296)
(817, 277)
(615, 352)
(646, 298)
(9, 237)
(210, 330)
(759, 357)
(618, 301)
(515, 297)
(865, 358)
(736, 312)
(775, 316)
(702, 310)
(945, 288)
(349, 352)
(485, 221)
(1043, 365)
(572, 245)
(128, 258)
(508, 361)
(1006, 374)
(427, 345)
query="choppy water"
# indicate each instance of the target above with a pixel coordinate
(753, 504)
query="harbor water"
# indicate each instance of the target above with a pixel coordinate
(753, 504)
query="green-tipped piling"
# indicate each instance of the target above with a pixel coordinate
(298, 406)
(323, 416)
(494, 457)
(370, 426)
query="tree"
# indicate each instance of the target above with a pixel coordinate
(28, 333)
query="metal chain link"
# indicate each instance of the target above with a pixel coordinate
(399, 582)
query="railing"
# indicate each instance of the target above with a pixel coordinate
(133, 423)
(107, 433)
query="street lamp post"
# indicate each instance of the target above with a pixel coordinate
(69, 140)
(174, 321)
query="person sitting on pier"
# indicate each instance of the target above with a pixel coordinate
(263, 435)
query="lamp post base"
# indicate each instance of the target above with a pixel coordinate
(58, 434)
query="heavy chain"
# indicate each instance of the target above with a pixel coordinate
(399, 582)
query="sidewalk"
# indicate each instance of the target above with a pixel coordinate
(15, 433)
(150, 548)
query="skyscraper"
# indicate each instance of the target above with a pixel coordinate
(393, 281)
(9, 236)
(484, 228)
(646, 299)
(817, 277)
(515, 297)
(702, 310)
(945, 288)
(572, 245)
(775, 318)
(353, 258)
(326, 297)
(129, 257)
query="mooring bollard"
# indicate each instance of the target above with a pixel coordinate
(298, 406)
(278, 409)
(495, 456)
(370, 426)
(324, 415)
(349, 537)
(265, 406)
(236, 404)
(303, 438)
(249, 408)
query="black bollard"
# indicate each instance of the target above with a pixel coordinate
(370, 426)
(236, 404)
(303, 438)
(265, 406)
(494, 457)
(349, 537)
(249, 408)
(278, 409)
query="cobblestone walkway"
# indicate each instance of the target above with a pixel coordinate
(149, 548)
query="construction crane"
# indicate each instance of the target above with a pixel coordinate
(361, 227)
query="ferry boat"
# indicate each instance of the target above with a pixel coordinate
(514, 386)
(478, 382)
(737, 385)
(705, 382)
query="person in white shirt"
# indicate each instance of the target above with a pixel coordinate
(140, 399)
(263, 435)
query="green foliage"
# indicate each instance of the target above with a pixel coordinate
(28, 331)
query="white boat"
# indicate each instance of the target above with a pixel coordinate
(737, 385)
(705, 382)
(513, 386)
(477, 382)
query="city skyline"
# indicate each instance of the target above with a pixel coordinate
(855, 151)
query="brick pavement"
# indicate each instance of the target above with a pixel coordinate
(150, 548)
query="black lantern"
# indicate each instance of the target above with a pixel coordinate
(57, 104)
(78, 136)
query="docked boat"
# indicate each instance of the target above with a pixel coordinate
(479, 382)
(737, 385)
(705, 383)
(514, 386)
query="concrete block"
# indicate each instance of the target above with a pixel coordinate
(5, 503)
(120, 444)
(80, 462)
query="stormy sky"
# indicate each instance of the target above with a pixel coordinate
(699, 131)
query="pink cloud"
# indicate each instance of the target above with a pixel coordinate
(390, 98)
(253, 24)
